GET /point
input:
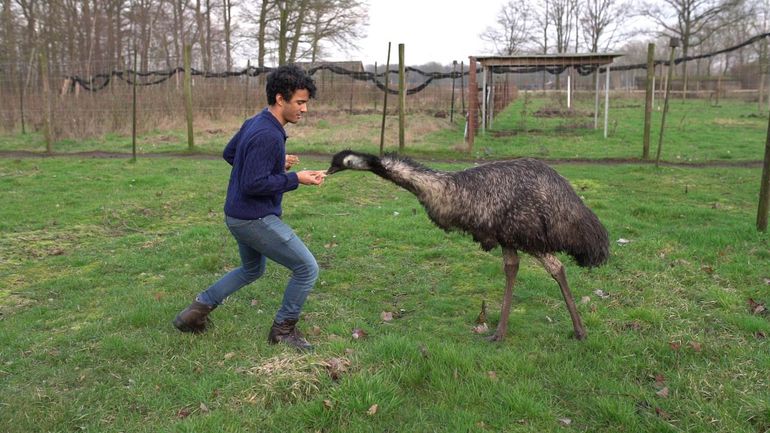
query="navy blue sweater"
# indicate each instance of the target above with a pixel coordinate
(258, 178)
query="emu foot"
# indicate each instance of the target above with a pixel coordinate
(497, 337)
(580, 334)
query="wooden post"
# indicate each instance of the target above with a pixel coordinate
(47, 117)
(764, 189)
(452, 103)
(246, 95)
(462, 85)
(473, 102)
(606, 99)
(385, 103)
(672, 44)
(188, 96)
(648, 100)
(133, 108)
(375, 80)
(401, 97)
(596, 98)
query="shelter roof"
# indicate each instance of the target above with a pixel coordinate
(549, 60)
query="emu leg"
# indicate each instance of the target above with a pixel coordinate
(556, 269)
(511, 268)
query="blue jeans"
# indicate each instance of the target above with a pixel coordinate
(258, 240)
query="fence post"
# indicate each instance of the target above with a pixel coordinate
(452, 105)
(385, 102)
(401, 97)
(188, 96)
(673, 44)
(47, 128)
(133, 107)
(764, 189)
(648, 100)
(473, 102)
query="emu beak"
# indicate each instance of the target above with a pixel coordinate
(332, 170)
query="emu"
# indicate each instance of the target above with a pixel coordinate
(520, 205)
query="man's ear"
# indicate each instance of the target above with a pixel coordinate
(279, 99)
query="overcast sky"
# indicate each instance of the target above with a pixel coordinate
(432, 31)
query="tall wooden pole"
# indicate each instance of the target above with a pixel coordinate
(764, 190)
(188, 96)
(648, 100)
(385, 102)
(401, 97)
(133, 107)
(48, 127)
(473, 102)
(672, 44)
(452, 104)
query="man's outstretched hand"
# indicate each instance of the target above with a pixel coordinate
(311, 177)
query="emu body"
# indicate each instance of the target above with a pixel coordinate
(519, 205)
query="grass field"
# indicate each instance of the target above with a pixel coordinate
(98, 255)
(697, 131)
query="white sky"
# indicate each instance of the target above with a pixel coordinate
(431, 31)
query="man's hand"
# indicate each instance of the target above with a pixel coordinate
(291, 160)
(311, 177)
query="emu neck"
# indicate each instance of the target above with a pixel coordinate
(425, 183)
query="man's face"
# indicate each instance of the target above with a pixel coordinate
(291, 111)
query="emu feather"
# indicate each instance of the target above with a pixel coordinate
(519, 205)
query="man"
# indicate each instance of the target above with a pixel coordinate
(258, 180)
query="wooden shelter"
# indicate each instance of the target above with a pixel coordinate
(527, 62)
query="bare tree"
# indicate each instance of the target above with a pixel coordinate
(512, 32)
(689, 20)
(600, 21)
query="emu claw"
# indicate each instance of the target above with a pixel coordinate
(495, 338)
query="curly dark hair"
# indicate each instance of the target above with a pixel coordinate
(286, 80)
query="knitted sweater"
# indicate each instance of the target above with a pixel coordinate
(258, 178)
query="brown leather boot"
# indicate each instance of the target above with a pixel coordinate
(287, 332)
(194, 318)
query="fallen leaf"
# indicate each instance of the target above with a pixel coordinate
(336, 367)
(229, 355)
(480, 329)
(315, 331)
(358, 333)
(585, 299)
(372, 410)
(328, 404)
(254, 302)
(158, 296)
(663, 393)
(707, 269)
(565, 421)
(601, 293)
(386, 316)
(492, 375)
(622, 242)
(183, 413)
(55, 252)
(633, 326)
(756, 307)
(767, 281)
(759, 335)
(204, 408)
(675, 345)
(660, 380)
(694, 345)
(662, 413)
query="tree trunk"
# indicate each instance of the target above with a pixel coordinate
(261, 34)
(298, 26)
(227, 17)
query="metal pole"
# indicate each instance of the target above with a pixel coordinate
(764, 189)
(188, 96)
(596, 99)
(133, 107)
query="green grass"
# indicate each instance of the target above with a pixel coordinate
(98, 255)
(697, 131)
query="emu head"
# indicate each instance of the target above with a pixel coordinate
(348, 159)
